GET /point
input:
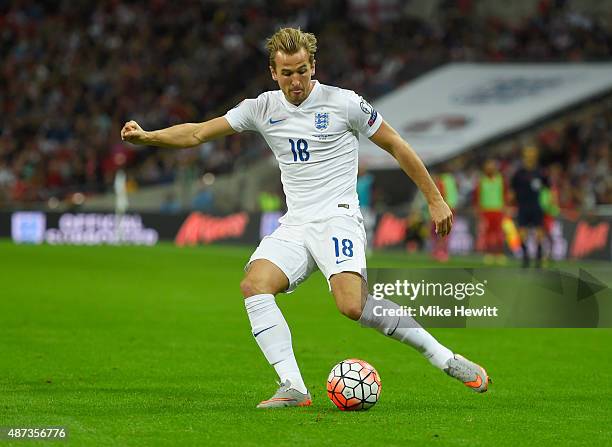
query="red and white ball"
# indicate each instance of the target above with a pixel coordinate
(353, 385)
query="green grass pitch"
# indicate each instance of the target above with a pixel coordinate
(136, 346)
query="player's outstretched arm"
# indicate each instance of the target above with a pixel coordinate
(179, 136)
(388, 139)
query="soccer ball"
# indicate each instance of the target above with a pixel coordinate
(353, 385)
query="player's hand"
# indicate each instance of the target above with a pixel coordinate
(442, 217)
(133, 133)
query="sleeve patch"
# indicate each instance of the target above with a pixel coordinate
(373, 117)
(366, 107)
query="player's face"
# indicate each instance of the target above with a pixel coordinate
(293, 73)
(490, 167)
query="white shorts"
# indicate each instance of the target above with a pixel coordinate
(334, 245)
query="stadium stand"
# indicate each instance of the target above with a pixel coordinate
(72, 74)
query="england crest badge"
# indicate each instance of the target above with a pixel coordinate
(321, 120)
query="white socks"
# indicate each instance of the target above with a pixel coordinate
(274, 338)
(405, 329)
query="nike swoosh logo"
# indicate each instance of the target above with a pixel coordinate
(476, 383)
(263, 330)
(340, 262)
(276, 121)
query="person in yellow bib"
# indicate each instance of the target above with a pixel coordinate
(490, 201)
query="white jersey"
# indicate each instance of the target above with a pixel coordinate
(315, 144)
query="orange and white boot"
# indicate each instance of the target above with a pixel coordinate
(469, 373)
(286, 397)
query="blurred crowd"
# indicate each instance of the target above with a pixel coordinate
(73, 72)
(577, 159)
(575, 156)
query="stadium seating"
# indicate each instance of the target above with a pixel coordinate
(72, 74)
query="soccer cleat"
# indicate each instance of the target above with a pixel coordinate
(286, 397)
(472, 375)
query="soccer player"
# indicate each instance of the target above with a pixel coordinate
(490, 201)
(313, 130)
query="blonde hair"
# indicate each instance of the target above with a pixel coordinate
(290, 41)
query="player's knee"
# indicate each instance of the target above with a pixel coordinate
(250, 286)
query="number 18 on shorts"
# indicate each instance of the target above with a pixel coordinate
(335, 245)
